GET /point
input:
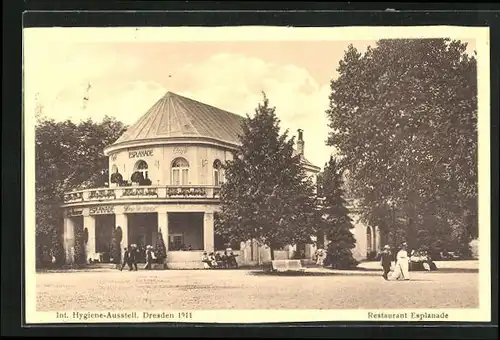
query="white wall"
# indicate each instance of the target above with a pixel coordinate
(159, 159)
(359, 231)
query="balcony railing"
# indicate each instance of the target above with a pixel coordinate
(143, 192)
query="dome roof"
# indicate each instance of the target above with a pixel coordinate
(177, 116)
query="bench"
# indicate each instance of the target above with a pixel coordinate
(287, 265)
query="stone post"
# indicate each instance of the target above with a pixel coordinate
(90, 247)
(69, 240)
(208, 231)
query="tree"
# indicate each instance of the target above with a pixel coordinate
(266, 195)
(403, 115)
(68, 156)
(80, 256)
(161, 251)
(115, 251)
(336, 221)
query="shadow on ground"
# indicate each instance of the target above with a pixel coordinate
(356, 272)
(311, 273)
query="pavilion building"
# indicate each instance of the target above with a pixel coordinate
(177, 148)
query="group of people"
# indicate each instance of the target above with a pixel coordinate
(402, 266)
(217, 260)
(131, 257)
(319, 257)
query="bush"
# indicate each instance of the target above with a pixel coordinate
(115, 251)
(137, 177)
(80, 256)
(371, 256)
(116, 178)
(160, 249)
(145, 181)
(340, 258)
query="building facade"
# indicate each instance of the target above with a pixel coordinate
(171, 158)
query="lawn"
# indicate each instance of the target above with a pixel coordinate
(251, 289)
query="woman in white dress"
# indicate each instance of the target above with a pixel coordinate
(320, 257)
(401, 271)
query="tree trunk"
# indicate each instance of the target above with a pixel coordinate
(252, 249)
(271, 250)
(411, 238)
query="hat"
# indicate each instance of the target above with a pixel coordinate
(387, 246)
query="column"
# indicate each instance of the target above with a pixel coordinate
(163, 227)
(69, 240)
(376, 245)
(208, 231)
(122, 222)
(90, 250)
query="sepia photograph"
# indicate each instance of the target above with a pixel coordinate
(256, 174)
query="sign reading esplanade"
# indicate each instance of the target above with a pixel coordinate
(102, 210)
(140, 153)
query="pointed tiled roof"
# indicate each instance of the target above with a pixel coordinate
(177, 116)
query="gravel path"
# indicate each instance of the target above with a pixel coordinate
(248, 289)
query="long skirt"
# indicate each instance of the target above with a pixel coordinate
(401, 271)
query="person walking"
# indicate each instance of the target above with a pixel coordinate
(320, 257)
(149, 257)
(134, 257)
(402, 270)
(126, 259)
(386, 261)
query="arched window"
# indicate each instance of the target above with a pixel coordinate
(142, 167)
(217, 172)
(180, 172)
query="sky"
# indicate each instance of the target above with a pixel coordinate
(127, 77)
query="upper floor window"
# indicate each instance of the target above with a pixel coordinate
(180, 172)
(217, 172)
(142, 167)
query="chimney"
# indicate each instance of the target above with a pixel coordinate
(300, 143)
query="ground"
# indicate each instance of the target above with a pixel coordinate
(455, 285)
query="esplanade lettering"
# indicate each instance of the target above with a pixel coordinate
(140, 153)
(102, 210)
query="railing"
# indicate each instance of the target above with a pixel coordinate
(143, 192)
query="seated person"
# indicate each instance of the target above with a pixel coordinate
(213, 261)
(207, 263)
(231, 260)
(224, 259)
(218, 260)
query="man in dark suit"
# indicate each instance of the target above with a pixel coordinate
(134, 258)
(386, 261)
(126, 259)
